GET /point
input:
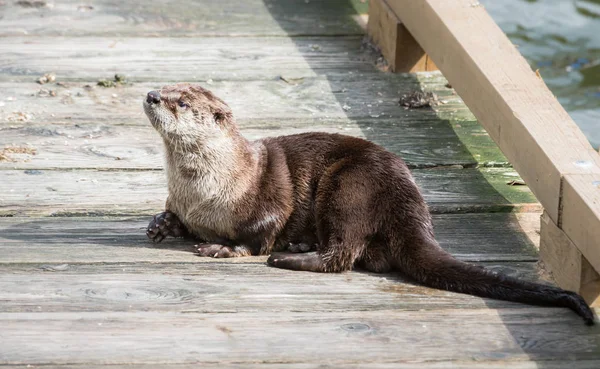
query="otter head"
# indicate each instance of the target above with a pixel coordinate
(188, 115)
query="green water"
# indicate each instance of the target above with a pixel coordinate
(562, 39)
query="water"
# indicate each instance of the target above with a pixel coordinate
(562, 39)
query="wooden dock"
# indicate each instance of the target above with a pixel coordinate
(81, 175)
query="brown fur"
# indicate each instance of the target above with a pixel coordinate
(354, 201)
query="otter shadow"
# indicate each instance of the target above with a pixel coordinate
(432, 144)
(94, 233)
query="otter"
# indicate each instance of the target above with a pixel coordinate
(333, 202)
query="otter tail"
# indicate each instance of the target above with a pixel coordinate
(434, 267)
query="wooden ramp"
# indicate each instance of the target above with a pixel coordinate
(81, 174)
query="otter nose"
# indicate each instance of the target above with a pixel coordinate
(153, 97)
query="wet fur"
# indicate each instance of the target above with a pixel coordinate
(356, 202)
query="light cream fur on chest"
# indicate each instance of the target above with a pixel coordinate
(203, 201)
(206, 200)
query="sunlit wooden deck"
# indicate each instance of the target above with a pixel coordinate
(81, 174)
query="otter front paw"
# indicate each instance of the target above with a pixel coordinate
(219, 251)
(163, 225)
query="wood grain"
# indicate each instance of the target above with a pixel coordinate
(313, 98)
(420, 143)
(355, 337)
(255, 266)
(449, 135)
(181, 59)
(457, 364)
(473, 237)
(183, 18)
(92, 192)
(220, 287)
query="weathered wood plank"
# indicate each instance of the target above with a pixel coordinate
(491, 364)
(181, 59)
(353, 106)
(88, 146)
(219, 287)
(338, 338)
(528, 270)
(371, 95)
(471, 237)
(184, 18)
(268, 105)
(58, 192)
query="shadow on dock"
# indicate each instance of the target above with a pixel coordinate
(521, 322)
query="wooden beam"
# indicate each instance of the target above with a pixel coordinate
(570, 269)
(517, 109)
(497, 84)
(400, 49)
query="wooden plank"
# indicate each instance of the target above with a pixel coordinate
(183, 18)
(261, 106)
(90, 192)
(580, 220)
(267, 105)
(219, 287)
(400, 49)
(369, 95)
(340, 338)
(491, 364)
(181, 59)
(421, 143)
(496, 237)
(498, 85)
(528, 270)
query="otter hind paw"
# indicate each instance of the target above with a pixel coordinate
(220, 251)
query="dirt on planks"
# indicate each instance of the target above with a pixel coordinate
(47, 78)
(32, 3)
(418, 99)
(118, 80)
(5, 153)
(19, 116)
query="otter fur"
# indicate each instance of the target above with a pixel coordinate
(332, 201)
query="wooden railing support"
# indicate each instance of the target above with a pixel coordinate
(402, 52)
(522, 116)
(568, 266)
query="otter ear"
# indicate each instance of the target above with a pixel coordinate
(221, 116)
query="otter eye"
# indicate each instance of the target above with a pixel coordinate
(182, 104)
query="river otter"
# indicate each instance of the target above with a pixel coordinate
(334, 201)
